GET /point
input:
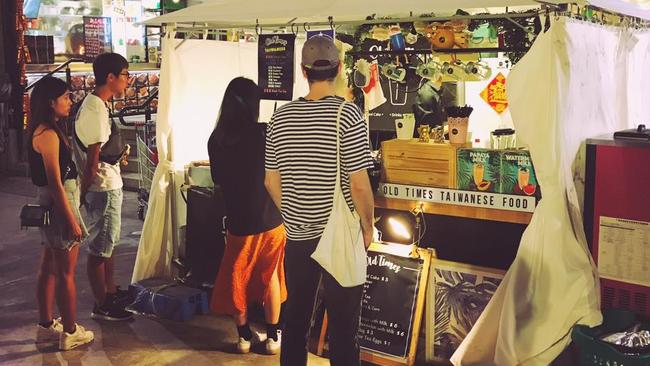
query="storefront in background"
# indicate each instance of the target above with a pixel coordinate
(62, 29)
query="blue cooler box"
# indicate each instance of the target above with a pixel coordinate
(167, 299)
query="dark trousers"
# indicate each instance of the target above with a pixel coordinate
(343, 306)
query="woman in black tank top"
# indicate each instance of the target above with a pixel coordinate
(54, 172)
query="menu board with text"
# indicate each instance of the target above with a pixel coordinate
(276, 65)
(391, 308)
(97, 37)
(387, 320)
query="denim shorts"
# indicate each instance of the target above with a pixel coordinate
(104, 219)
(53, 235)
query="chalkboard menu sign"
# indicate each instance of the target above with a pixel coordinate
(97, 37)
(388, 303)
(275, 66)
(391, 309)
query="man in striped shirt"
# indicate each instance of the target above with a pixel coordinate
(300, 176)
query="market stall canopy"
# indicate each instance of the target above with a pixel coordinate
(635, 8)
(235, 13)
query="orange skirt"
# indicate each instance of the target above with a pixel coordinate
(246, 269)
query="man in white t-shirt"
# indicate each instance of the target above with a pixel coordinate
(101, 185)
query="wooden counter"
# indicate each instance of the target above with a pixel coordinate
(490, 214)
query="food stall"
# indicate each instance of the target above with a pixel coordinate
(505, 222)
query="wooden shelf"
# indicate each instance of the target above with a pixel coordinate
(455, 210)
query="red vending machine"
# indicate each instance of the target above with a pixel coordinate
(617, 219)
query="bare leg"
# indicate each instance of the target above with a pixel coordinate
(96, 276)
(272, 300)
(109, 275)
(66, 262)
(46, 286)
(240, 319)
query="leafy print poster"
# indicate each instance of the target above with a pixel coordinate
(461, 292)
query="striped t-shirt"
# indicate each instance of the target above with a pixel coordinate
(301, 145)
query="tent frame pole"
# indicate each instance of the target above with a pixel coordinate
(190, 27)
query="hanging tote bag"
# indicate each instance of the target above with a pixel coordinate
(341, 251)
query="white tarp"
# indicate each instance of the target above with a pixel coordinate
(578, 80)
(194, 76)
(635, 8)
(236, 13)
(231, 13)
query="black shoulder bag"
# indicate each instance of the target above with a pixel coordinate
(113, 150)
(37, 215)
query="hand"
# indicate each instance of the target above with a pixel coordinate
(123, 160)
(74, 231)
(367, 236)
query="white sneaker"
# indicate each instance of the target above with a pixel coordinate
(81, 336)
(243, 346)
(272, 346)
(258, 337)
(51, 334)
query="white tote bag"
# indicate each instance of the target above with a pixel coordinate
(341, 251)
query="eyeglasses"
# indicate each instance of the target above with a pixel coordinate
(126, 73)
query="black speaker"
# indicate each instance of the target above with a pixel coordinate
(205, 234)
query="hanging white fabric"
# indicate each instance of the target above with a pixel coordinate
(576, 82)
(156, 248)
(194, 77)
(341, 250)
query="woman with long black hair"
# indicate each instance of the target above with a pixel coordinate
(54, 173)
(252, 268)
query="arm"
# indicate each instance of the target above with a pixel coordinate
(93, 128)
(47, 144)
(273, 184)
(272, 178)
(364, 202)
(90, 170)
(355, 157)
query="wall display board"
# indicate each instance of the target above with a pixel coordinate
(457, 295)
(411, 95)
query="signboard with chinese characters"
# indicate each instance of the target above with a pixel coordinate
(275, 65)
(495, 93)
(97, 37)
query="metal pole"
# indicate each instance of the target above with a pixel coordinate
(146, 44)
(189, 26)
(172, 197)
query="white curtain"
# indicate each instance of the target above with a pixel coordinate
(579, 80)
(193, 78)
(155, 250)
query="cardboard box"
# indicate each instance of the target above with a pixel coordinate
(478, 170)
(426, 164)
(517, 173)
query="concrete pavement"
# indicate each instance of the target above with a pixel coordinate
(205, 340)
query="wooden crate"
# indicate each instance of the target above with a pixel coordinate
(418, 163)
